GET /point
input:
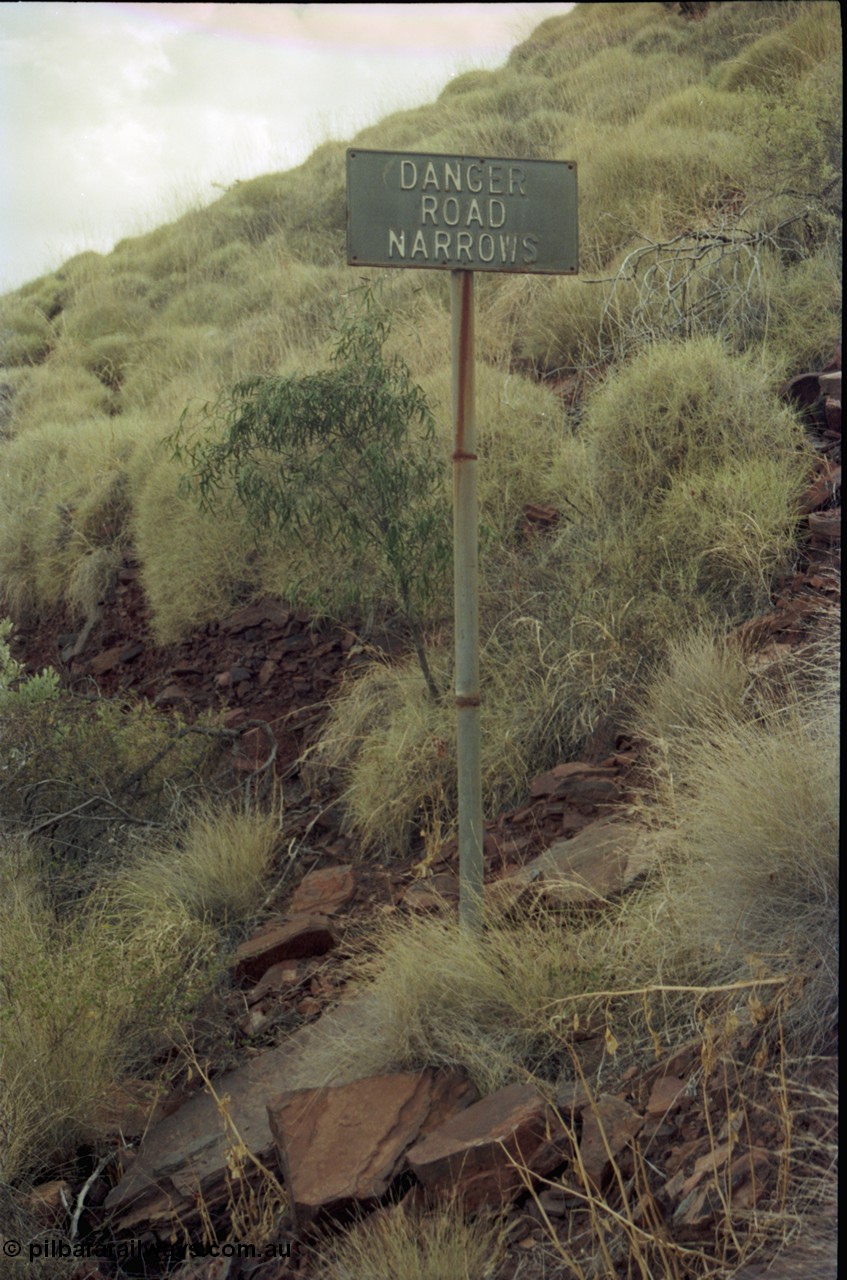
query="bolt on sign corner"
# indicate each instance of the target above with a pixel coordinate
(461, 213)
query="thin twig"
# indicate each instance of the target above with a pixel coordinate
(89, 1183)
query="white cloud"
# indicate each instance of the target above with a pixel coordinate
(110, 113)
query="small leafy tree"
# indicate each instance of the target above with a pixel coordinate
(345, 456)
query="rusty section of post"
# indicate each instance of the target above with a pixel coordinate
(466, 596)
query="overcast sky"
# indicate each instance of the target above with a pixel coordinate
(113, 117)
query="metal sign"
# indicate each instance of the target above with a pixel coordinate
(461, 213)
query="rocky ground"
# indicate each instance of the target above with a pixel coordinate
(267, 671)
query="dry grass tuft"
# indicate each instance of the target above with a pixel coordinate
(397, 1243)
(493, 1003)
(84, 1002)
(748, 779)
(391, 745)
(216, 870)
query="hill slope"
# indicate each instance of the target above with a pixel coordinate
(645, 488)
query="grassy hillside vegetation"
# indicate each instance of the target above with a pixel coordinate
(744, 811)
(709, 161)
(640, 401)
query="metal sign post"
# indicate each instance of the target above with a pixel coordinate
(466, 600)
(463, 214)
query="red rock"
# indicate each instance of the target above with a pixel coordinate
(253, 615)
(433, 894)
(700, 1208)
(345, 1145)
(105, 661)
(666, 1096)
(277, 978)
(254, 1021)
(234, 717)
(308, 1007)
(254, 747)
(170, 694)
(184, 1164)
(830, 383)
(608, 1124)
(472, 1155)
(266, 672)
(130, 1108)
(51, 1202)
(825, 525)
(578, 783)
(290, 940)
(832, 408)
(323, 891)
(600, 862)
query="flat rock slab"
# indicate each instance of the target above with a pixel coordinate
(578, 783)
(597, 864)
(286, 940)
(322, 892)
(434, 893)
(185, 1155)
(473, 1155)
(344, 1145)
(608, 1124)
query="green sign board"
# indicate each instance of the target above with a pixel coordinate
(465, 213)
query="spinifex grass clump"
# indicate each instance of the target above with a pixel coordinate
(343, 457)
(86, 998)
(747, 779)
(216, 868)
(397, 1243)
(492, 1003)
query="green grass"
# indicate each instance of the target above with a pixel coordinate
(781, 56)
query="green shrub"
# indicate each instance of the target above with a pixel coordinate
(16, 688)
(93, 776)
(340, 457)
